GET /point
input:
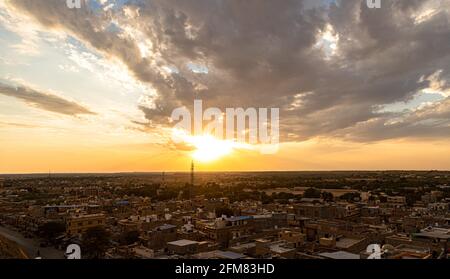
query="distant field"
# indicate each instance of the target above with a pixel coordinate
(301, 190)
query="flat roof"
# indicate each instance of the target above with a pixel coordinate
(347, 242)
(81, 216)
(229, 255)
(340, 255)
(182, 242)
(434, 233)
(166, 227)
(278, 249)
(244, 245)
(239, 218)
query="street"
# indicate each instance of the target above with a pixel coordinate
(31, 246)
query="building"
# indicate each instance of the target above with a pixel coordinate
(370, 211)
(129, 224)
(347, 211)
(218, 254)
(78, 224)
(141, 252)
(293, 237)
(159, 236)
(224, 229)
(438, 238)
(266, 248)
(244, 248)
(410, 252)
(340, 255)
(282, 249)
(397, 200)
(315, 211)
(187, 247)
(438, 207)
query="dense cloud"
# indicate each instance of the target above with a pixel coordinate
(329, 69)
(43, 100)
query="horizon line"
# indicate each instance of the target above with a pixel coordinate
(220, 171)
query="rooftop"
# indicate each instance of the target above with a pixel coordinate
(217, 254)
(166, 227)
(440, 233)
(229, 255)
(346, 242)
(340, 255)
(182, 242)
(239, 218)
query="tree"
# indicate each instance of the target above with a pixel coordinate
(95, 241)
(327, 196)
(266, 199)
(223, 210)
(50, 230)
(350, 197)
(130, 237)
(312, 193)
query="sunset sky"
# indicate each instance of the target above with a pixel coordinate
(93, 89)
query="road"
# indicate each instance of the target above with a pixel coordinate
(31, 246)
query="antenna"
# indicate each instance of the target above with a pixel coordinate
(192, 179)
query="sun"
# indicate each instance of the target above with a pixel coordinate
(208, 148)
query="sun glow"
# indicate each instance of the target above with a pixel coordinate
(207, 148)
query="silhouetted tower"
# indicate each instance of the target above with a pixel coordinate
(192, 180)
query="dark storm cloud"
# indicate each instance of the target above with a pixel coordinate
(43, 100)
(265, 54)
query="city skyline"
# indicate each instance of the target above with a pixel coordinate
(91, 90)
